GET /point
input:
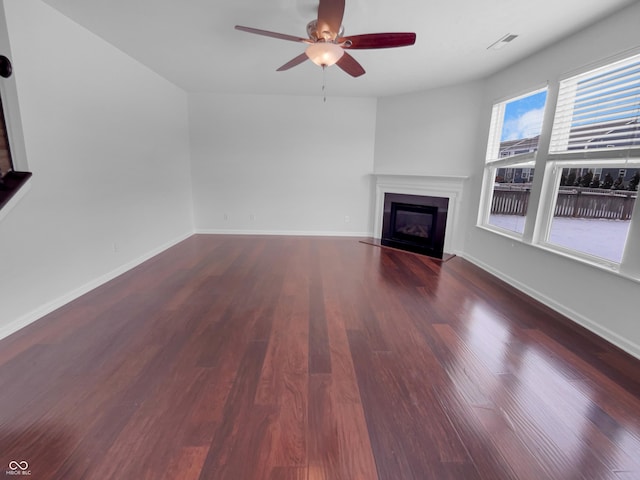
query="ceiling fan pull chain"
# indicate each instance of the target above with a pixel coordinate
(324, 78)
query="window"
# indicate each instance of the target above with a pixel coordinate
(510, 161)
(589, 221)
(591, 167)
(597, 177)
(598, 118)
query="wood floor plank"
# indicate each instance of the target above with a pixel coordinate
(284, 382)
(237, 444)
(398, 442)
(289, 473)
(186, 464)
(626, 401)
(480, 444)
(513, 412)
(338, 446)
(307, 358)
(319, 352)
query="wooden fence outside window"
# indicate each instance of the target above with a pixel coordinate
(578, 202)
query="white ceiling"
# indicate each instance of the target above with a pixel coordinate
(193, 43)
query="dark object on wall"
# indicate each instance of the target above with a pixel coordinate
(5, 67)
(10, 180)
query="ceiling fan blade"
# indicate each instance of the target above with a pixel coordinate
(267, 33)
(378, 40)
(350, 65)
(330, 13)
(292, 63)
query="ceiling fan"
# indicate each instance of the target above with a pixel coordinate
(326, 43)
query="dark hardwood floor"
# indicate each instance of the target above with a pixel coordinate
(281, 358)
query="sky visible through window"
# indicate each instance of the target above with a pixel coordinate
(523, 117)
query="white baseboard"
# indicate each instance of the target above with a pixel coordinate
(609, 335)
(49, 307)
(285, 233)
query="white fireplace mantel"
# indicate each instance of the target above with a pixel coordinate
(446, 186)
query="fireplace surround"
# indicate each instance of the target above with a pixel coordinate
(415, 223)
(449, 187)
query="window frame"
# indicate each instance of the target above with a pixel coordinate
(553, 171)
(493, 160)
(548, 167)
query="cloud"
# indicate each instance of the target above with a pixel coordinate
(526, 125)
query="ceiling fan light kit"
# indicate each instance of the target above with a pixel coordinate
(326, 43)
(324, 54)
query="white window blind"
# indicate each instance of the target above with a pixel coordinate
(495, 131)
(599, 109)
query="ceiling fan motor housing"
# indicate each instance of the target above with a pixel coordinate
(312, 31)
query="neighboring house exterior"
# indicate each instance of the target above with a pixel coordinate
(508, 148)
(625, 133)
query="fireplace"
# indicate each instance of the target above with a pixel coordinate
(415, 223)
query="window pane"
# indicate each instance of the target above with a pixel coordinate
(593, 212)
(516, 125)
(522, 124)
(510, 199)
(599, 109)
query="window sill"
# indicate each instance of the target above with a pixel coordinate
(604, 267)
(503, 232)
(12, 189)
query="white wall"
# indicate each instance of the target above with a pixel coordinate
(107, 142)
(429, 133)
(297, 164)
(602, 301)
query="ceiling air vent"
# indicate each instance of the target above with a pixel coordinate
(509, 37)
